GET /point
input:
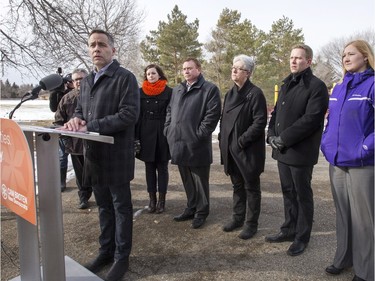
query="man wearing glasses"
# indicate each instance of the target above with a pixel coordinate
(74, 146)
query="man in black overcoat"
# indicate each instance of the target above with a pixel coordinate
(192, 116)
(294, 132)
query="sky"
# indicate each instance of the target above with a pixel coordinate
(321, 21)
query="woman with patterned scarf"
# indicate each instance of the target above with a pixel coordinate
(154, 151)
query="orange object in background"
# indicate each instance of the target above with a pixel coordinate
(17, 171)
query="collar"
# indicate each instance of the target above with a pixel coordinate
(301, 77)
(197, 83)
(102, 69)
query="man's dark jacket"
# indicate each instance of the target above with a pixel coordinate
(110, 107)
(298, 118)
(192, 116)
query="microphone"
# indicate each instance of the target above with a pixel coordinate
(47, 83)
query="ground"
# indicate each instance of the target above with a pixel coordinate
(168, 250)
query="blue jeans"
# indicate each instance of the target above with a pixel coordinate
(63, 156)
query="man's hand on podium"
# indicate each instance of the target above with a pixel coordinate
(75, 124)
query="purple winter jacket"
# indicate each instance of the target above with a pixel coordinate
(348, 139)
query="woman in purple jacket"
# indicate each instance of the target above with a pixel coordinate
(348, 145)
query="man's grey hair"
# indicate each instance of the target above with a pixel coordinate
(80, 70)
(248, 61)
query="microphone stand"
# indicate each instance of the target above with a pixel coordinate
(28, 96)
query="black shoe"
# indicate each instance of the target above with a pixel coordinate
(279, 237)
(232, 225)
(356, 278)
(98, 263)
(117, 271)
(333, 270)
(198, 222)
(247, 233)
(297, 248)
(184, 217)
(83, 205)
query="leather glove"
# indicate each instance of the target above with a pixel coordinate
(269, 139)
(137, 146)
(277, 143)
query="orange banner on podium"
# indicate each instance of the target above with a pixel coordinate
(17, 171)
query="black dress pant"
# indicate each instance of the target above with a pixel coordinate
(298, 200)
(84, 192)
(157, 176)
(246, 200)
(196, 184)
(116, 220)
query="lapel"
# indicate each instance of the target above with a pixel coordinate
(236, 99)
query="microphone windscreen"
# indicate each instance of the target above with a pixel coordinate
(51, 81)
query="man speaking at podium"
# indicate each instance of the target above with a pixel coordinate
(109, 105)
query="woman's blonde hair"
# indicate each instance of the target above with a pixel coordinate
(365, 49)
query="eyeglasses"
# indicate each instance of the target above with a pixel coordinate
(78, 79)
(238, 69)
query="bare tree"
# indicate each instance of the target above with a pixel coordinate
(40, 35)
(329, 57)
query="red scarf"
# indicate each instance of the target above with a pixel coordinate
(154, 89)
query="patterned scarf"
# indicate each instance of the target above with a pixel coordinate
(154, 89)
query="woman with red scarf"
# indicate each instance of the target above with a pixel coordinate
(154, 151)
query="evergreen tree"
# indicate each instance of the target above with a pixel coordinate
(230, 38)
(173, 42)
(273, 59)
(14, 90)
(5, 89)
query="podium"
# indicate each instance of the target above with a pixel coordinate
(54, 266)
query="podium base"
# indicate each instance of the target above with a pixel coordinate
(74, 272)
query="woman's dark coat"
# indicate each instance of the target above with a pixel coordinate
(242, 131)
(150, 126)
